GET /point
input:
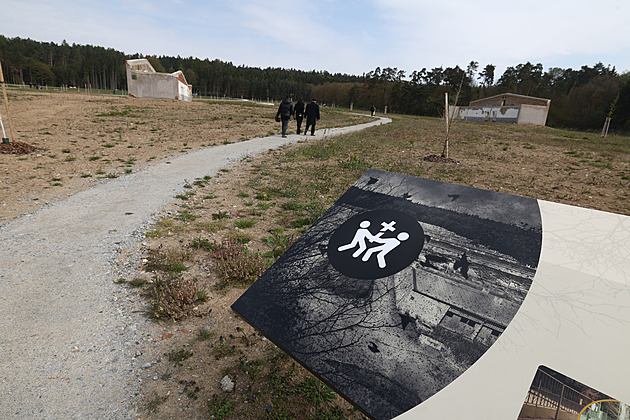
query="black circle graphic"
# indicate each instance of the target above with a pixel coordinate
(375, 244)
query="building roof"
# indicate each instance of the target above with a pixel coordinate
(141, 65)
(516, 95)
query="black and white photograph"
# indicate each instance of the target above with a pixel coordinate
(399, 287)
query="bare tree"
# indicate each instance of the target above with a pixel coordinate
(450, 116)
(609, 116)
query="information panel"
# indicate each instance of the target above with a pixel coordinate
(420, 299)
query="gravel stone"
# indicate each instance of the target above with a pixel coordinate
(226, 384)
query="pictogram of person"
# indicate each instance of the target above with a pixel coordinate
(359, 239)
(388, 244)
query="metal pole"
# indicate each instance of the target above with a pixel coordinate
(538, 392)
(5, 140)
(559, 402)
(446, 117)
(6, 103)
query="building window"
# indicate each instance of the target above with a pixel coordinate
(134, 77)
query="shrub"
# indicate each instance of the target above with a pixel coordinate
(172, 297)
(169, 261)
(279, 243)
(202, 243)
(178, 357)
(237, 264)
(244, 223)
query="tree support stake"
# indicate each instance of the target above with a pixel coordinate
(6, 104)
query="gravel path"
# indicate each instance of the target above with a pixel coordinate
(70, 338)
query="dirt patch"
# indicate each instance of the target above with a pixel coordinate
(81, 140)
(439, 158)
(16, 148)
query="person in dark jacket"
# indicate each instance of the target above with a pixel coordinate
(285, 111)
(299, 114)
(312, 116)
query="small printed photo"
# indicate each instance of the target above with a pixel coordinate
(554, 396)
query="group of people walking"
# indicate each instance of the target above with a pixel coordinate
(286, 110)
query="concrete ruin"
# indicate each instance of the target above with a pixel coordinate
(505, 108)
(144, 82)
(476, 301)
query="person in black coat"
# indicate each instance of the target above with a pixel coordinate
(285, 110)
(312, 116)
(299, 114)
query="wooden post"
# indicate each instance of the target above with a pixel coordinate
(446, 109)
(6, 102)
(605, 128)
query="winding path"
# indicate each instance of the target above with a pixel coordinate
(68, 337)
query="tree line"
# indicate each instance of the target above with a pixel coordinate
(580, 98)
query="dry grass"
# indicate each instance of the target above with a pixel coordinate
(262, 204)
(283, 192)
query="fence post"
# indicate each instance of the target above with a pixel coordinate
(559, 402)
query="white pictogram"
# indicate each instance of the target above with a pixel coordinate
(386, 244)
(359, 238)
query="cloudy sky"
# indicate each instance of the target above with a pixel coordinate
(340, 36)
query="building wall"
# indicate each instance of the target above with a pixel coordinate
(533, 114)
(156, 85)
(507, 108)
(144, 82)
(426, 311)
(478, 307)
(503, 114)
(524, 114)
(184, 91)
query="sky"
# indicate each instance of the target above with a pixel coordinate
(339, 36)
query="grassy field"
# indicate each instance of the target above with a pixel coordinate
(226, 229)
(245, 217)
